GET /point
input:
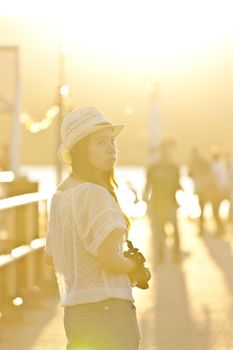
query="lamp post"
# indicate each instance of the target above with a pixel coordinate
(63, 91)
(154, 121)
(15, 154)
(10, 104)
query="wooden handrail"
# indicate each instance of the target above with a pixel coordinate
(6, 176)
(23, 199)
(22, 267)
(22, 251)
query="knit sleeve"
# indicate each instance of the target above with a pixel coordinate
(51, 227)
(97, 214)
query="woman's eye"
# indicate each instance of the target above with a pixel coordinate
(102, 142)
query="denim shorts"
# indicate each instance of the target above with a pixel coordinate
(106, 325)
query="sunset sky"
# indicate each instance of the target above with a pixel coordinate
(114, 54)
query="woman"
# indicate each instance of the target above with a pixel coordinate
(87, 230)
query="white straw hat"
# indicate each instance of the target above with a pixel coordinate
(80, 123)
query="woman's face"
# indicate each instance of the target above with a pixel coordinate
(101, 149)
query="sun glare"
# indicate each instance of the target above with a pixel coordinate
(148, 32)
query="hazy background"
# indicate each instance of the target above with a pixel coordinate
(114, 54)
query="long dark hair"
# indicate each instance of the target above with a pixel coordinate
(82, 168)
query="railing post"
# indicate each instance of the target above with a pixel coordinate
(10, 228)
(22, 266)
(11, 280)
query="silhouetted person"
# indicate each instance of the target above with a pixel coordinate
(219, 185)
(163, 182)
(199, 170)
(229, 166)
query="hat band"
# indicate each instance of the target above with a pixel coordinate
(103, 123)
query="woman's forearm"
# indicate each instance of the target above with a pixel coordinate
(117, 264)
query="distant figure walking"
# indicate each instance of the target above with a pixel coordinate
(87, 231)
(162, 184)
(200, 171)
(219, 185)
(229, 166)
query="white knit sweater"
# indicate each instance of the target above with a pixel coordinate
(80, 219)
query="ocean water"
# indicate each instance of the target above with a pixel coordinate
(131, 181)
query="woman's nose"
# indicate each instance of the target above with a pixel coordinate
(111, 148)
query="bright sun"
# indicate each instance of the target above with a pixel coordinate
(148, 32)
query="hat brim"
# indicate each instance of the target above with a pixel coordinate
(64, 152)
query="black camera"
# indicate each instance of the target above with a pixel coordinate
(141, 275)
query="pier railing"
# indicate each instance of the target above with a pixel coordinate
(23, 228)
